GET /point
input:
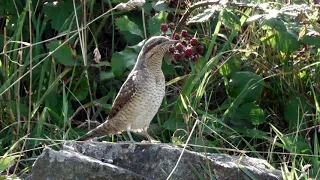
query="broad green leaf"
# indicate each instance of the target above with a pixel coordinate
(8, 7)
(129, 29)
(168, 69)
(106, 75)
(65, 54)
(231, 20)
(203, 16)
(198, 65)
(293, 143)
(60, 14)
(286, 42)
(138, 46)
(163, 6)
(147, 6)
(295, 112)
(81, 91)
(296, 144)
(311, 40)
(1, 9)
(5, 162)
(231, 66)
(255, 18)
(104, 63)
(250, 112)
(23, 109)
(252, 133)
(122, 60)
(240, 79)
(53, 103)
(116, 1)
(276, 24)
(155, 22)
(173, 125)
(1, 42)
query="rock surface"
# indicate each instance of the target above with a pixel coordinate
(88, 160)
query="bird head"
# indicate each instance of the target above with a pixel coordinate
(157, 46)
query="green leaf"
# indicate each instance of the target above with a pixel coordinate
(296, 144)
(163, 6)
(106, 75)
(155, 22)
(293, 143)
(311, 40)
(122, 60)
(203, 16)
(231, 66)
(252, 133)
(147, 6)
(116, 1)
(276, 24)
(231, 20)
(60, 14)
(5, 162)
(238, 82)
(104, 63)
(65, 54)
(250, 112)
(286, 42)
(1, 42)
(255, 18)
(53, 102)
(1, 9)
(81, 91)
(23, 109)
(295, 112)
(168, 69)
(131, 31)
(173, 125)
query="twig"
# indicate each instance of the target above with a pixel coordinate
(209, 3)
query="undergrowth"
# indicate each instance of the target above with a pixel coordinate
(253, 91)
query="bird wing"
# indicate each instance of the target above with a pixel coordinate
(127, 91)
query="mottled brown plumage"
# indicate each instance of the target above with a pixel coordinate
(140, 95)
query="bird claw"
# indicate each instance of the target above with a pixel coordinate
(152, 141)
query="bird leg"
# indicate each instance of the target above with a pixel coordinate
(148, 136)
(150, 140)
(129, 134)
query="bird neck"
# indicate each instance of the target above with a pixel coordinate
(153, 63)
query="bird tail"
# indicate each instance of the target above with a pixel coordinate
(101, 130)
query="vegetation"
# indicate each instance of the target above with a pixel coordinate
(253, 90)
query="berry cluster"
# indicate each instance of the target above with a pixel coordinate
(164, 28)
(188, 48)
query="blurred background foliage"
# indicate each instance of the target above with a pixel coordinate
(255, 87)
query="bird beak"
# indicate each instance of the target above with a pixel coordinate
(171, 41)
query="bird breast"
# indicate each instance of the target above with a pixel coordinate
(151, 100)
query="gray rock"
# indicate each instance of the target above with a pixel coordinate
(89, 160)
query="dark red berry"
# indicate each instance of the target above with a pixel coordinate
(171, 25)
(176, 36)
(176, 55)
(171, 49)
(195, 52)
(199, 49)
(194, 58)
(179, 47)
(164, 27)
(184, 33)
(194, 41)
(188, 51)
(184, 43)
